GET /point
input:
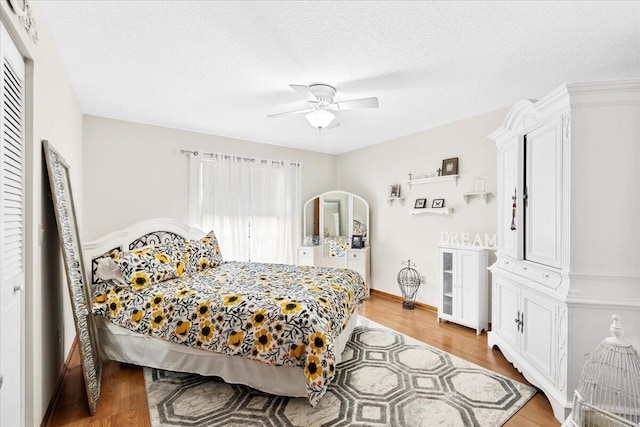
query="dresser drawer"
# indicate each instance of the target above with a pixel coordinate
(540, 275)
(507, 264)
(355, 255)
(305, 256)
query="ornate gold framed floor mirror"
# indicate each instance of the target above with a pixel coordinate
(64, 208)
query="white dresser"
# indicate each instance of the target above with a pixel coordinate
(354, 259)
(568, 230)
(333, 219)
(358, 260)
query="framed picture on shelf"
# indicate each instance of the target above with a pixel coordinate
(420, 204)
(357, 242)
(450, 166)
(394, 191)
(437, 203)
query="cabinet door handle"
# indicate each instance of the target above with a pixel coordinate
(520, 321)
(512, 227)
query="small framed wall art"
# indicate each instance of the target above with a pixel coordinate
(437, 203)
(394, 191)
(357, 242)
(450, 166)
(420, 204)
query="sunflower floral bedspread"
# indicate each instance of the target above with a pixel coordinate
(278, 314)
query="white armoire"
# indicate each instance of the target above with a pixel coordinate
(568, 254)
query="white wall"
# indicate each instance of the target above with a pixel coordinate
(137, 171)
(53, 113)
(397, 236)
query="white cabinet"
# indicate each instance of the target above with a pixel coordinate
(358, 260)
(525, 322)
(463, 286)
(566, 261)
(307, 255)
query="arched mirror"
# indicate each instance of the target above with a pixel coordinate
(332, 219)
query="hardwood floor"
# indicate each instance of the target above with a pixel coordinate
(123, 401)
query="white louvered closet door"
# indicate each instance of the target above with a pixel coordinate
(12, 232)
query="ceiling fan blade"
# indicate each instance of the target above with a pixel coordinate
(358, 103)
(334, 124)
(288, 113)
(304, 90)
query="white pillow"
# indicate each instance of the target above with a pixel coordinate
(107, 269)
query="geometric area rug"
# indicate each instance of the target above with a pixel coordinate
(385, 379)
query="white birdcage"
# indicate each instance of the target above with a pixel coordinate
(409, 282)
(608, 394)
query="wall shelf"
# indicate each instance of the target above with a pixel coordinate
(400, 200)
(437, 211)
(484, 194)
(434, 179)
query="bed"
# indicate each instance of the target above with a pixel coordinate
(278, 328)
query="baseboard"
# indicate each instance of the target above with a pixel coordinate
(58, 389)
(398, 298)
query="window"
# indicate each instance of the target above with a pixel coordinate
(253, 205)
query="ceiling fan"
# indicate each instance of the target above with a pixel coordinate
(321, 104)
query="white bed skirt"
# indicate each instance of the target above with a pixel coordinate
(122, 345)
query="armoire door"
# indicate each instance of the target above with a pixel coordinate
(12, 232)
(506, 311)
(539, 333)
(543, 189)
(509, 198)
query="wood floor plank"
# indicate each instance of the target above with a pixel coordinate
(123, 399)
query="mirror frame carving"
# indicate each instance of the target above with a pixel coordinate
(63, 205)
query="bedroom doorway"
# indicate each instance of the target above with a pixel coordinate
(12, 233)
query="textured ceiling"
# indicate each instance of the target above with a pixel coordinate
(222, 67)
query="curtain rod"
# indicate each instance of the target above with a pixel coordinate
(195, 153)
(252, 159)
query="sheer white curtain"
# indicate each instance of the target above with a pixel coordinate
(253, 205)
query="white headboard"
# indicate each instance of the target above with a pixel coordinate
(148, 232)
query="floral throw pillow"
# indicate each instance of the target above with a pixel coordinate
(202, 254)
(152, 264)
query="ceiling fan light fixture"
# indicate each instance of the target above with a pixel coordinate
(320, 118)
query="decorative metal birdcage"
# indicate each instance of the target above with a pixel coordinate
(409, 282)
(608, 393)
